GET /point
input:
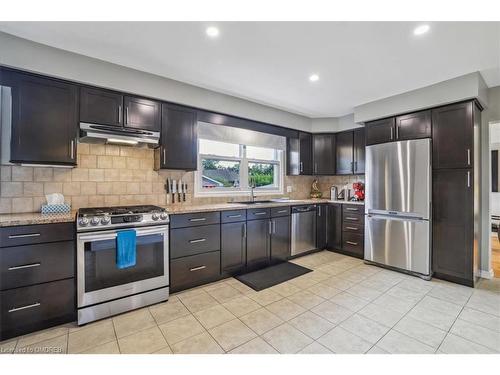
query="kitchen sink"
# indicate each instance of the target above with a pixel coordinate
(254, 202)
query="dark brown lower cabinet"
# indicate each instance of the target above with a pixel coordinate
(194, 270)
(321, 226)
(233, 248)
(280, 239)
(334, 228)
(258, 243)
(453, 225)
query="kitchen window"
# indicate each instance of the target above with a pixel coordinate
(245, 157)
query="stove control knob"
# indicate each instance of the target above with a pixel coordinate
(155, 216)
(105, 220)
(163, 216)
(94, 221)
(83, 221)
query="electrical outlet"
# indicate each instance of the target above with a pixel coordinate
(289, 189)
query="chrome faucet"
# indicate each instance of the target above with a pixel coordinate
(251, 185)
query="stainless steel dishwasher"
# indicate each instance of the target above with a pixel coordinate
(303, 229)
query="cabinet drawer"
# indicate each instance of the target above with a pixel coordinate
(194, 270)
(34, 264)
(353, 228)
(30, 234)
(258, 213)
(233, 216)
(353, 209)
(280, 211)
(348, 217)
(36, 307)
(190, 241)
(353, 243)
(194, 219)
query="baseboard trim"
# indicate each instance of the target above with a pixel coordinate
(486, 274)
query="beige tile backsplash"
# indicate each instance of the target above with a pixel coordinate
(112, 175)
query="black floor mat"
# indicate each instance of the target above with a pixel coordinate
(273, 275)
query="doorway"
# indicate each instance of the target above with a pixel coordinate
(495, 197)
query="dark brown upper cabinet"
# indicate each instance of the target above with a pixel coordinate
(413, 126)
(140, 113)
(453, 136)
(324, 154)
(179, 139)
(44, 120)
(345, 153)
(380, 131)
(299, 151)
(359, 149)
(101, 107)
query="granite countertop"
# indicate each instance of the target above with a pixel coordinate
(9, 220)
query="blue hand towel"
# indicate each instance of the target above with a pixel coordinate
(125, 249)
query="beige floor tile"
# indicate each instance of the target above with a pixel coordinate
(225, 293)
(286, 339)
(338, 283)
(241, 306)
(331, 269)
(108, 348)
(417, 284)
(365, 328)
(242, 288)
(342, 341)
(285, 289)
(181, 328)
(485, 301)
(398, 343)
(255, 346)
(232, 334)
(55, 345)
(376, 350)
(168, 311)
(74, 327)
(432, 317)
(265, 297)
(306, 299)
(8, 346)
(349, 301)
(353, 275)
(132, 322)
(315, 348)
(214, 316)
(479, 335)
(444, 307)
(143, 342)
(165, 350)
(42, 336)
(407, 294)
(324, 291)
(305, 281)
(381, 314)
(394, 303)
(285, 309)
(198, 302)
(199, 344)
(215, 285)
(480, 318)
(311, 324)
(90, 337)
(332, 312)
(456, 294)
(261, 321)
(421, 331)
(453, 344)
(379, 283)
(190, 292)
(364, 292)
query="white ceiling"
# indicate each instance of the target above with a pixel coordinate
(270, 62)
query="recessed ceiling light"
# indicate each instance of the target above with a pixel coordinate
(313, 77)
(212, 31)
(422, 29)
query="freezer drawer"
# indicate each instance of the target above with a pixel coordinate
(398, 242)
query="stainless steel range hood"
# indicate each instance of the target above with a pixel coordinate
(94, 133)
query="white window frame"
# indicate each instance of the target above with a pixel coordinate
(243, 188)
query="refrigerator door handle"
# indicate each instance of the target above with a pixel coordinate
(395, 217)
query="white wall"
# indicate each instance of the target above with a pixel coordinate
(27, 55)
(334, 124)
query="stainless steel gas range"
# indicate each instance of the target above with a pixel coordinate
(103, 288)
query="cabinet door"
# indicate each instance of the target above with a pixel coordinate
(345, 157)
(179, 142)
(453, 136)
(380, 131)
(44, 120)
(324, 154)
(280, 239)
(453, 225)
(293, 157)
(334, 226)
(305, 153)
(359, 151)
(321, 226)
(141, 113)
(413, 126)
(233, 247)
(101, 107)
(258, 243)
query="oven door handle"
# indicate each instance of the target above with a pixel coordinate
(112, 235)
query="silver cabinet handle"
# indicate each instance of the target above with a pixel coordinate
(12, 236)
(352, 228)
(126, 115)
(198, 219)
(355, 166)
(397, 132)
(351, 243)
(72, 148)
(119, 114)
(198, 240)
(233, 216)
(468, 156)
(36, 304)
(319, 211)
(197, 268)
(392, 136)
(352, 218)
(351, 209)
(23, 266)
(315, 167)
(468, 178)
(274, 226)
(282, 211)
(270, 227)
(245, 230)
(164, 156)
(301, 167)
(259, 213)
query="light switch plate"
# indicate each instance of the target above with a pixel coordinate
(289, 189)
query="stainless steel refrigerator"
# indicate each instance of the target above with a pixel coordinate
(398, 206)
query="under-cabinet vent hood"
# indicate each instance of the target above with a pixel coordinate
(94, 133)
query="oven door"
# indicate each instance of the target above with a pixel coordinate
(100, 280)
